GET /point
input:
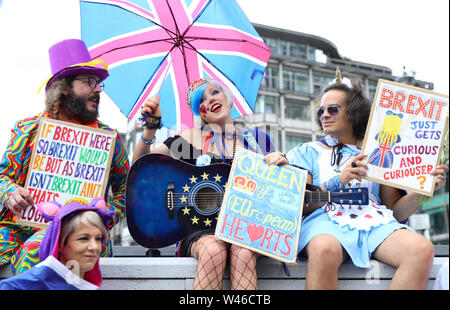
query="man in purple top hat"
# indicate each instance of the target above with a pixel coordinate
(72, 95)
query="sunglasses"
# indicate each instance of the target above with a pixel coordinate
(332, 109)
(92, 82)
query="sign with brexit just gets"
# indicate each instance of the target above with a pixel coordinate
(262, 207)
(69, 162)
(405, 136)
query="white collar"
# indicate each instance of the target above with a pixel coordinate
(70, 277)
(333, 141)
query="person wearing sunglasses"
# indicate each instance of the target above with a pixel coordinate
(72, 94)
(332, 233)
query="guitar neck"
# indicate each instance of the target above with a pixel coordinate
(343, 197)
(337, 197)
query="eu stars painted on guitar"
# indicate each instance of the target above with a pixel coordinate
(197, 195)
(171, 222)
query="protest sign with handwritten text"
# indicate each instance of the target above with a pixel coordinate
(69, 161)
(405, 136)
(262, 207)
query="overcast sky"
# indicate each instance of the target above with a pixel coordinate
(392, 33)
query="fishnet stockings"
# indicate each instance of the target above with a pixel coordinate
(212, 257)
(243, 269)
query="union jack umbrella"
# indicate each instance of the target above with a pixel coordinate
(161, 46)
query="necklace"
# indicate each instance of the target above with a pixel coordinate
(227, 136)
(204, 159)
(341, 163)
(338, 154)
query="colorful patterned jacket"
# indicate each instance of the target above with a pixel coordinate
(16, 159)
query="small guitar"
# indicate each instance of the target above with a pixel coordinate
(168, 199)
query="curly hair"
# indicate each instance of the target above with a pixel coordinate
(357, 107)
(54, 96)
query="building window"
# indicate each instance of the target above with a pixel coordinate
(320, 81)
(266, 104)
(438, 221)
(272, 76)
(296, 80)
(297, 109)
(293, 140)
(316, 55)
(372, 89)
(271, 44)
(293, 49)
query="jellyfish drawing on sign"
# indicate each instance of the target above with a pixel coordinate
(388, 136)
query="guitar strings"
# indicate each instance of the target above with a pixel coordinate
(309, 196)
(320, 194)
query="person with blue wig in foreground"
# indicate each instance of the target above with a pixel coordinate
(70, 249)
(216, 141)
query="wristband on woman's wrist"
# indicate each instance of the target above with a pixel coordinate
(153, 122)
(147, 141)
(333, 184)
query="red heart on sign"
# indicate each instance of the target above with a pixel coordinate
(255, 232)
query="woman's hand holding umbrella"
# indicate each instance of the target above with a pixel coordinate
(151, 108)
(151, 118)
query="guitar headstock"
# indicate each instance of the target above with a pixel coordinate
(351, 196)
(347, 196)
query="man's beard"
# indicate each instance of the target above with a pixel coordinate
(74, 107)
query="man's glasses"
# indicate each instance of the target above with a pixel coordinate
(332, 109)
(92, 82)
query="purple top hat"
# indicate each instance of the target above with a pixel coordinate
(71, 57)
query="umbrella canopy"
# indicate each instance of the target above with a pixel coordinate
(161, 46)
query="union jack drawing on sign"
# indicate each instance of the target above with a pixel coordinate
(161, 46)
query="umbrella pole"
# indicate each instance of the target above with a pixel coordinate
(143, 118)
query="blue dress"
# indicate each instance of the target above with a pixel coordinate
(359, 229)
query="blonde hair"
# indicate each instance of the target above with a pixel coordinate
(73, 222)
(389, 129)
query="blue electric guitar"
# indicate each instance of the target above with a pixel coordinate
(168, 199)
